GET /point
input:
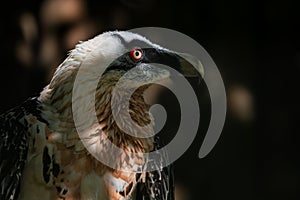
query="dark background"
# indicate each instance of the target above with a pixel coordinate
(254, 43)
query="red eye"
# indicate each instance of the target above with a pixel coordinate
(136, 54)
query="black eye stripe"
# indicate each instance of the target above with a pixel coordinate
(150, 55)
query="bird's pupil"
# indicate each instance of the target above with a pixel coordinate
(137, 53)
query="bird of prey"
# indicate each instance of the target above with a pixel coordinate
(41, 153)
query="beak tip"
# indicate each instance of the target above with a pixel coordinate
(194, 66)
(200, 69)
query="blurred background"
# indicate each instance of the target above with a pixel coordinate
(256, 46)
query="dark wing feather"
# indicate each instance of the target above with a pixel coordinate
(159, 184)
(13, 148)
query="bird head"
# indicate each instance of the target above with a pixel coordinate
(141, 62)
(144, 62)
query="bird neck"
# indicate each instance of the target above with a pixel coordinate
(138, 111)
(57, 110)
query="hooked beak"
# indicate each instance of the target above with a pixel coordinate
(190, 66)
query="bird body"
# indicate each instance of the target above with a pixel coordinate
(43, 157)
